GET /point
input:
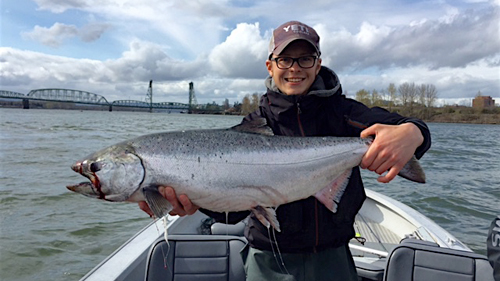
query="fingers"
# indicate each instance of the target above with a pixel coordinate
(393, 172)
(169, 194)
(393, 146)
(371, 154)
(180, 206)
(370, 131)
(188, 206)
(144, 206)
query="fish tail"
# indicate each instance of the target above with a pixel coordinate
(413, 171)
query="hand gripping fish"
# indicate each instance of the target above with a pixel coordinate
(225, 170)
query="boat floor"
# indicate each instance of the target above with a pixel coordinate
(375, 236)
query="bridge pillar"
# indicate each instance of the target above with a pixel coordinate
(26, 104)
(110, 108)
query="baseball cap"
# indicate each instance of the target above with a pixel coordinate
(289, 32)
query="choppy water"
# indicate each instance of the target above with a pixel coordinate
(49, 233)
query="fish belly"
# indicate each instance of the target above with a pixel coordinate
(242, 181)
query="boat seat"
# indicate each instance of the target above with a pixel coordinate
(416, 260)
(228, 229)
(196, 257)
(370, 271)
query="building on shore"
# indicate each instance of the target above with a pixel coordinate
(485, 102)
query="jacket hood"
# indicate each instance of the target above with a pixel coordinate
(327, 83)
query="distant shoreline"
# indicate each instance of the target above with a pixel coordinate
(479, 118)
(460, 115)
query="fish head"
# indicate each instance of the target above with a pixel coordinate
(115, 173)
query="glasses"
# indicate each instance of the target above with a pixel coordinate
(303, 62)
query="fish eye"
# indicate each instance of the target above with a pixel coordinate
(95, 167)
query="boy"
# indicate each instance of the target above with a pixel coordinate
(305, 99)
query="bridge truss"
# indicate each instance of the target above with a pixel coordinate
(84, 97)
(67, 95)
(10, 94)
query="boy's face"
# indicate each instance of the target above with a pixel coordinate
(294, 80)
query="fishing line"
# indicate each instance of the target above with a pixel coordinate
(165, 235)
(283, 270)
(272, 248)
(279, 252)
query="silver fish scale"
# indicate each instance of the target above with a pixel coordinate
(217, 143)
(247, 169)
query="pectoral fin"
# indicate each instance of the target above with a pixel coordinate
(157, 203)
(330, 195)
(267, 216)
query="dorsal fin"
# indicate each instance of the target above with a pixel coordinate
(257, 126)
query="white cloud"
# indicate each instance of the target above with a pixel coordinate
(55, 35)
(60, 6)
(92, 32)
(242, 54)
(455, 42)
(221, 46)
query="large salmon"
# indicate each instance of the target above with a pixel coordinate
(225, 170)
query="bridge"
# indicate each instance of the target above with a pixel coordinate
(87, 98)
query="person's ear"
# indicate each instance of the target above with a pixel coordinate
(318, 66)
(269, 65)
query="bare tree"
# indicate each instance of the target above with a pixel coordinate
(376, 98)
(391, 91)
(246, 105)
(404, 93)
(255, 101)
(226, 104)
(408, 94)
(363, 96)
(250, 103)
(422, 90)
(430, 95)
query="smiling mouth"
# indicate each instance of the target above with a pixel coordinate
(294, 80)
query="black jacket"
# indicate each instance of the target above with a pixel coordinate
(306, 225)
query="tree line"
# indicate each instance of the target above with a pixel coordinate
(249, 104)
(408, 98)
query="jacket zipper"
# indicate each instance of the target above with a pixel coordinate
(301, 128)
(299, 122)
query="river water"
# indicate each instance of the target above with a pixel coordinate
(50, 233)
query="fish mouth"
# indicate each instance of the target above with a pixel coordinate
(92, 188)
(81, 186)
(84, 188)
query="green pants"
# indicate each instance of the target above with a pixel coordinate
(328, 265)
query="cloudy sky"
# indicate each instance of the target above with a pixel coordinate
(114, 47)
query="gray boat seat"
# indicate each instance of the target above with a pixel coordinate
(196, 257)
(416, 260)
(228, 229)
(370, 271)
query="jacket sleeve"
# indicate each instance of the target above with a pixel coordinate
(361, 114)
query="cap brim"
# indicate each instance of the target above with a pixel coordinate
(283, 45)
